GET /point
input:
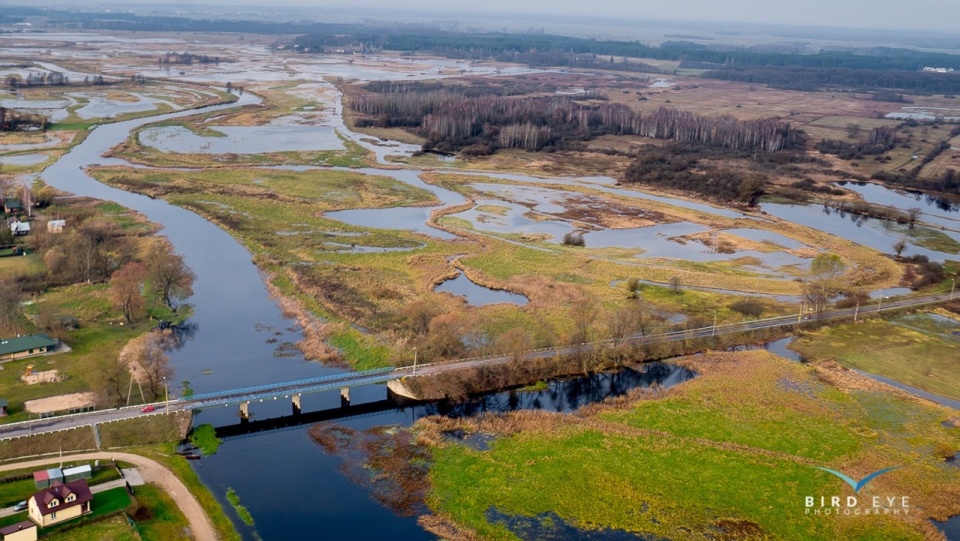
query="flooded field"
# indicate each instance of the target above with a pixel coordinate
(241, 140)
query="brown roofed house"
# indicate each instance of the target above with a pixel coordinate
(60, 502)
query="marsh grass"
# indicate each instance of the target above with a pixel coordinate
(688, 460)
(888, 349)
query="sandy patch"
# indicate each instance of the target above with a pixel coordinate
(61, 403)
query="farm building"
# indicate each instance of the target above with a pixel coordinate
(12, 206)
(56, 226)
(19, 228)
(77, 472)
(46, 478)
(26, 346)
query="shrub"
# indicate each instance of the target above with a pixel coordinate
(574, 238)
(748, 307)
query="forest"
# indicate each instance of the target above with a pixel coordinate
(453, 121)
(813, 79)
(681, 167)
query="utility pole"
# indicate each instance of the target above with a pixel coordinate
(857, 309)
(166, 397)
(714, 333)
(414, 361)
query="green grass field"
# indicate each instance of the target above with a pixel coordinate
(735, 446)
(907, 353)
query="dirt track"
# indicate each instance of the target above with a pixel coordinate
(152, 472)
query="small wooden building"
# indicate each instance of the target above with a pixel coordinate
(56, 226)
(21, 531)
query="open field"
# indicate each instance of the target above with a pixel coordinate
(904, 348)
(948, 159)
(750, 428)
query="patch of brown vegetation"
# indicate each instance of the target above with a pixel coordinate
(445, 528)
(384, 459)
(738, 530)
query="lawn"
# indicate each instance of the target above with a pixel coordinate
(15, 491)
(732, 450)
(896, 349)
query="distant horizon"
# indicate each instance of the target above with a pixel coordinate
(920, 15)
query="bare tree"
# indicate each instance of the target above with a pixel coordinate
(11, 310)
(126, 290)
(583, 315)
(824, 280)
(634, 286)
(515, 343)
(171, 277)
(675, 284)
(149, 363)
(913, 214)
(899, 247)
(112, 379)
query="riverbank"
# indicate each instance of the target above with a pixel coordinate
(750, 428)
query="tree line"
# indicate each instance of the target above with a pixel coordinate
(813, 79)
(186, 58)
(451, 121)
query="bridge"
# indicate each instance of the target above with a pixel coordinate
(293, 390)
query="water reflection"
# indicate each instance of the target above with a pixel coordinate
(478, 295)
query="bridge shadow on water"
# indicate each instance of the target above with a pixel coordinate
(562, 396)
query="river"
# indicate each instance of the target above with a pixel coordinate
(292, 488)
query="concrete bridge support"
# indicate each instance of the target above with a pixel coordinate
(244, 412)
(296, 404)
(344, 397)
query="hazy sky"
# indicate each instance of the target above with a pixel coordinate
(939, 15)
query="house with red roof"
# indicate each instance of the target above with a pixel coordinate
(60, 502)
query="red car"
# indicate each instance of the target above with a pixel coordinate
(147, 409)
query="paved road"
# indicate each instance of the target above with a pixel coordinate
(354, 379)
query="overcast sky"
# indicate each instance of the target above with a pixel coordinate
(939, 15)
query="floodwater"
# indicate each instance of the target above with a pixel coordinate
(478, 295)
(242, 139)
(937, 211)
(298, 466)
(874, 233)
(23, 159)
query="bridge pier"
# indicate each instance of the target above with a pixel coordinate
(296, 404)
(244, 411)
(344, 397)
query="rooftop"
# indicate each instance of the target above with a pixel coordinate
(25, 343)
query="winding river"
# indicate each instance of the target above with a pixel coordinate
(240, 338)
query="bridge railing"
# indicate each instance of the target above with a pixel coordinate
(274, 386)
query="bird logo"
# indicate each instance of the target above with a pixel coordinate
(857, 485)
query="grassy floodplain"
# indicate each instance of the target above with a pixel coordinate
(915, 349)
(368, 277)
(311, 257)
(730, 454)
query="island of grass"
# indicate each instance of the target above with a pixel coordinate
(732, 454)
